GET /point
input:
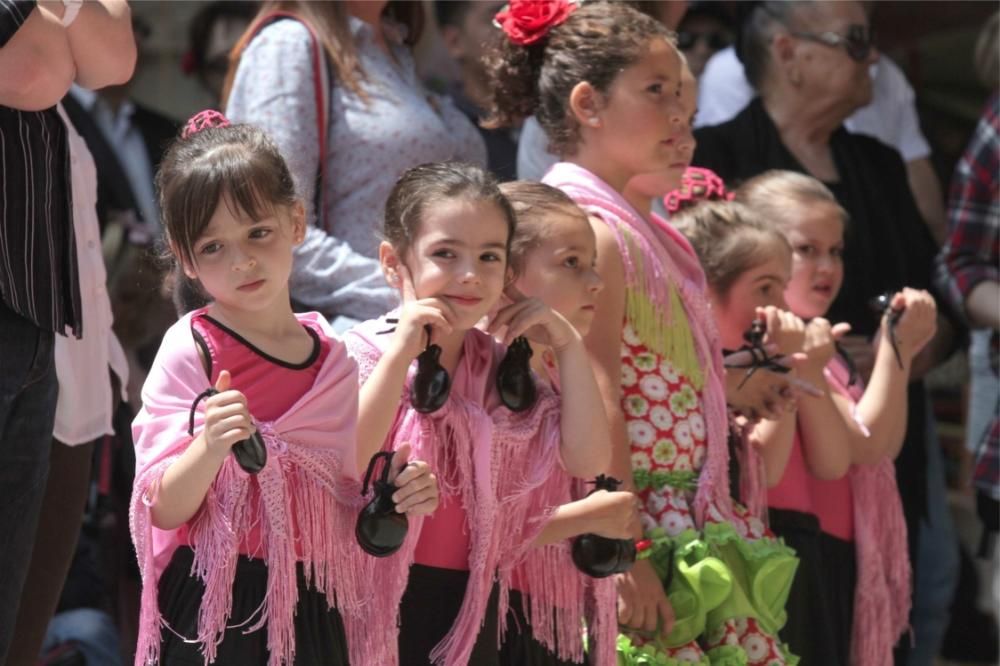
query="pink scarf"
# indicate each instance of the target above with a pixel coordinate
(505, 469)
(310, 452)
(661, 266)
(882, 592)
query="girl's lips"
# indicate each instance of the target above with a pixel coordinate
(251, 286)
(466, 300)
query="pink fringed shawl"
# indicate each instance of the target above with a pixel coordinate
(311, 465)
(505, 469)
(882, 593)
(660, 265)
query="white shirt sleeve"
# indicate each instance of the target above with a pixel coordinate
(723, 89)
(892, 115)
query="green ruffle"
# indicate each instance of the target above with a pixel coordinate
(659, 479)
(649, 655)
(720, 576)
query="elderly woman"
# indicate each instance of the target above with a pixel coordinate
(809, 62)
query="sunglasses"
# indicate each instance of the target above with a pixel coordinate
(716, 40)
(857, 43)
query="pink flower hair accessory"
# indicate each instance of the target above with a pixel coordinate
(526, 22)
(204, 120)
(697, 184)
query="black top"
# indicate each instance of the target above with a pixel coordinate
(38, 266)
(887, 244)
(501, 146)
(887, 247)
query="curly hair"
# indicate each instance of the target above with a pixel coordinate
(594, 44)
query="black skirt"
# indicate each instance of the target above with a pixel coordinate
(810, 629)
(319, 630)
(519, 646)
(430, 605)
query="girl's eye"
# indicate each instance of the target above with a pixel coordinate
(837, 252)
(766, 290)
(656, 88)
(572, 262)
(260, 232)
(443, 254)
(209, 248)
(490, 256)
(805, 250)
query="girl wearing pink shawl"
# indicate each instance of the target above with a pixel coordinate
(868, 590)
(244, 504)
(604, 83)
(552, 255)
(502, 464)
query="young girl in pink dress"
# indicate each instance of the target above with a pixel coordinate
(856, 568)
(553, 257)
(604, 82)
(501, 462)
(244, 501)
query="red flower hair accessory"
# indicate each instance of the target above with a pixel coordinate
(528, 21)
(697, 184)
(204, 120)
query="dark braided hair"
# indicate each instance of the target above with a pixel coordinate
(594, 44)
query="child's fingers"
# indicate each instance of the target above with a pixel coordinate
(840, 330)
(226, 398)
(222, 383)
(666, 613)
(513, 293)
(414, 484)
(505, 314)
(219, 413)
(400, 457)
(407, 293)
(414, 472)
(420, 502)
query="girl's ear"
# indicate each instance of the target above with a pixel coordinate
(298, 222)
(390, 264)
(186, 267)
(585, 103)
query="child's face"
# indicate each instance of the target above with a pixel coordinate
(245, 264)
(459, 254)
(559, 271)
(817, 240)
(758, 287)
(643, 120)
(659, 183)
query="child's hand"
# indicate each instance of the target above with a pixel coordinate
(765, 395)
(918, 323)
(642, 603)
(820, 339)
(534, 320)
(614, 515)
(227, 420)
(785, 330)
(417, 487)
(410, 337)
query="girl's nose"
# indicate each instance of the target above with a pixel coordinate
(243, 261)
(594, 282)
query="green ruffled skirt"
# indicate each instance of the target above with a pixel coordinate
(715, 577)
